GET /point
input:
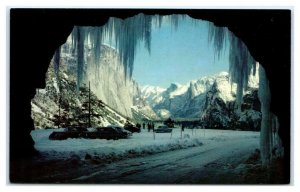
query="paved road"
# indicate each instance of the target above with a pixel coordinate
(180, 166)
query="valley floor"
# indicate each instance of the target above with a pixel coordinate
(198, 157)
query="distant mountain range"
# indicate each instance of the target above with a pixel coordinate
(188, 100)
(211, 99)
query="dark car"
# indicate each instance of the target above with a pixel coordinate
(163, 129)
(130, 127)
(169, 123)
(110, 133)
(58, 135)
(70, 132)
(76, 128)
(121, 129)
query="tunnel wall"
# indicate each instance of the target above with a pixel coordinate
(36, 33)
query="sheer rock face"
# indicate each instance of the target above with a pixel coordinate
(109, 83)
(107, 77)
(60, 105)
(109, 86)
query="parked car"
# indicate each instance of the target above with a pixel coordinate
(56, 135)
(110, 133)
(169, 123)
(130, 127)
(121, 129)
(76, 129)
(69, 132)
(163, 129)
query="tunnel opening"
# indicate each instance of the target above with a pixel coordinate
(62, 21)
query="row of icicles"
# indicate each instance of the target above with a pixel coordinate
(125, 35)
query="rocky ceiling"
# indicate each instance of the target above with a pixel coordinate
(36, 33)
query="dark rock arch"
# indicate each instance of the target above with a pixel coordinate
(36, 33)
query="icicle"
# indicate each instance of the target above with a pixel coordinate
(160, 18)
(125, 35)
(80, 55)
(266, 128)
(270, 142)
(147, 33)
(240, 64)
(217, 36)
(56, 62)
(277, 148)
(74, 37)
(240, 60)
(95, 35)
(271, 130)
(239, 97)
(174, 20)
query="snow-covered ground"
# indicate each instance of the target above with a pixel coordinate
(140, 144)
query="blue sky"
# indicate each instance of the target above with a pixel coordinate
(178, 55)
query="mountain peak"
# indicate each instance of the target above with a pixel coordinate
(187, 100)
(174, 86)
(223, 73)
(148, 89)
(176, 89)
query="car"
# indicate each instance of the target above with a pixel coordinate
(110, 133)
(76, 129)
(69, 132)
(122, 130)
(163, 129)
(130, 127)
(58, 135)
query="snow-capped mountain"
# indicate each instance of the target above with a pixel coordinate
(187, 100)
(222, 114)
(205, 98)
(152, 94)
(60, 105)
(210, 98)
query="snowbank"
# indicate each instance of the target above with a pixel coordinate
(139, 144)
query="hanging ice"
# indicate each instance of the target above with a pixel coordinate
(56, 62)
(124, 35)
(240, 64)
(240, 60)
(266, 129)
